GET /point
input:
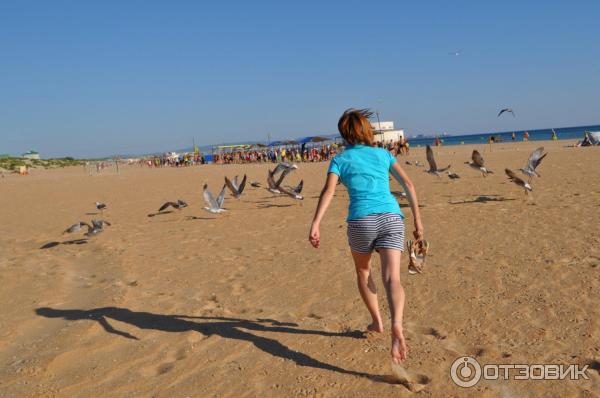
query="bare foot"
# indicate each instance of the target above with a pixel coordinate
(375, 327)
(399, 350)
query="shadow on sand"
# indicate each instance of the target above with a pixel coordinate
(160, 213)
(482, 199)
(229, 328)
(50, 245)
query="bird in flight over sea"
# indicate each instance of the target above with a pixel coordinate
(215, 206)
(455, 53)
(477, 163)
(235, 188)
(506, 110)
(180, 204)
(534, 161)
(514, 178)
(433, 169)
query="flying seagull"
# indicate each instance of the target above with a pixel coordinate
(506, 110)
(534, 161)
(285, 166)
(180, 204)
(514, 178)
(236, 190)
(294, 192)
(93, 230)
(433, 169)
(215, 206)
(477, 163)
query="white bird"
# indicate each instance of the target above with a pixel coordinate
(236, 190)
(215, 206)
(478, 164)
(77, 227)
(433, 169)
(533, 162)
(514, 178)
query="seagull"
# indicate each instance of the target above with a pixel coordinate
(408, 162)
(477, 163)
(214, 206)
(432, 166)
(418, 164)
(180, 204)
(514, 178)
(100, 206)
(274, 187)
(255, 184)
(285, 166)
(534, 161)
(298, 188)
(455, 53)
(506, 110)
(453, 176)
(100, 223)
(293, 192)
(236, 190)
(77, 227)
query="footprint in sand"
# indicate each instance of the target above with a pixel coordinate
(413, 381)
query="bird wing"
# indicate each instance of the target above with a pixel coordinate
(501, 112)
(270, 180)
(278, 168)
(298, 188)
(289, 192)
(477, 158)
(430, 159)
(514, 177)
(221, 197)
(242, 185)
(229, 185)
(181, 203)
(444, 169)
(167, 204)
(536, 158)
(209, 198)
(236, 183)
(282, 176)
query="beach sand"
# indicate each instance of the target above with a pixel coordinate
(190, 304)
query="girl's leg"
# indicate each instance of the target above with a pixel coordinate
(366, 287)
(390, 273)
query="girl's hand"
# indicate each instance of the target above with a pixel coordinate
(418, 233)
(314, 236)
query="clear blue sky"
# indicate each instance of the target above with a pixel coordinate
(94, 78)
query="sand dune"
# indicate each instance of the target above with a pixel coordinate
(188, 303)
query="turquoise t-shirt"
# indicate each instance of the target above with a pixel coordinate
(364, 171)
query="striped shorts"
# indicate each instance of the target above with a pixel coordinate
(376, 231)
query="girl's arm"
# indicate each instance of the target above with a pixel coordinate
(324, 200)
(401, 176)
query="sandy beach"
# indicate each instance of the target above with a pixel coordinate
(191, 304)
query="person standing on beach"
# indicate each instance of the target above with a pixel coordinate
(375, 221)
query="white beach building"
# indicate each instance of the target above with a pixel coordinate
(31, 155)
(385, 131)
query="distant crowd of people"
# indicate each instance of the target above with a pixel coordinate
(321, 153)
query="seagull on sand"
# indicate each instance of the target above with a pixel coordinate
(236, 190)
(534, 161)
(77, 227)
(215, 206)
(514, 178)
(100, 206)
(506, 110)
(255, 184)
(453, 176)
(93, 230)
(180, 204)
(477, 163)
(433, 169)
